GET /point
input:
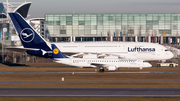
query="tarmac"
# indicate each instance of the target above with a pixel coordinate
(144, 81)
(89, 71)
(90, 92)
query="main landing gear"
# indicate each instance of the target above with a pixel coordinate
(101, 70)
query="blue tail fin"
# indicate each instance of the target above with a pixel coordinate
(27, 35)
(56, 52)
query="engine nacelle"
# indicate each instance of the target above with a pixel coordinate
(111, 68)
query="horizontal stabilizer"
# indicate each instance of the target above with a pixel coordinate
(21, 49)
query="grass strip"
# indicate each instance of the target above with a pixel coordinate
(88, 76)
(51, 68)
(141, 84)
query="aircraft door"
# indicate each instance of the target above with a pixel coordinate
(157, 53)
(139, 63)
(135, 53)
(71, 61)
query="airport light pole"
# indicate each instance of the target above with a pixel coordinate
(2, 50)
(4, 30)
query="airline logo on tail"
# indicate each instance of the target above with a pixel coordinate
(55, 51)
(27, 35)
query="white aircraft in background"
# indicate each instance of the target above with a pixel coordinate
(110, 64)
(126, 50)
(34, 44)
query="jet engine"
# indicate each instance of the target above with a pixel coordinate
(111, 68)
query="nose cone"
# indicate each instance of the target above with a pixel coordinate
(171, 55)
(147, 65)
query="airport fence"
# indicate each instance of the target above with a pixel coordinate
(21, 58)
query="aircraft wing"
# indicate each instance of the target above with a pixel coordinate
(102, 55)
(99, 65)
(21, 49)
(78, 55)
(122, 55)
(109, 67)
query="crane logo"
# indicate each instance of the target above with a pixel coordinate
(27, 35)
(55, 51)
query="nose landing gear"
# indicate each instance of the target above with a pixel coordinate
(141, 68)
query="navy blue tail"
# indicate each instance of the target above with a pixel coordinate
(56, 52)
(27, 35)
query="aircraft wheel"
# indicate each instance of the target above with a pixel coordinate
(101, 70)
(171, 65)
(158, 65)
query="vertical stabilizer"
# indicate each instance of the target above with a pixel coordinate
(56, 52)
(28, 36)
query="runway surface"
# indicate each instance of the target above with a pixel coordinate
(60, 67)
(89, 72)
(144, 81)
(91, 92)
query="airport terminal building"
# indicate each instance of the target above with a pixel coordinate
(157, 28)
(8, 35)
(7, 32)
(114, 27)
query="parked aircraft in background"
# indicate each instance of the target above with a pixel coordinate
(34, 44)
(110, 64)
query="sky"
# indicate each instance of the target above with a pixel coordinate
(40, 7)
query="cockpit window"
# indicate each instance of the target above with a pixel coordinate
(144, 61)
(166, 50)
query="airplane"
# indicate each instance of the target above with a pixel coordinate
(110, 64)
(34, 44)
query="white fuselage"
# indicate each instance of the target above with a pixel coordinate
(128, 50)
(116, 63)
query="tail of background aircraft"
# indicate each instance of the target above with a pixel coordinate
(28, 36)
(56, 52)
(30, 39)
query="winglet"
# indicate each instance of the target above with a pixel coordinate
(56, 52)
